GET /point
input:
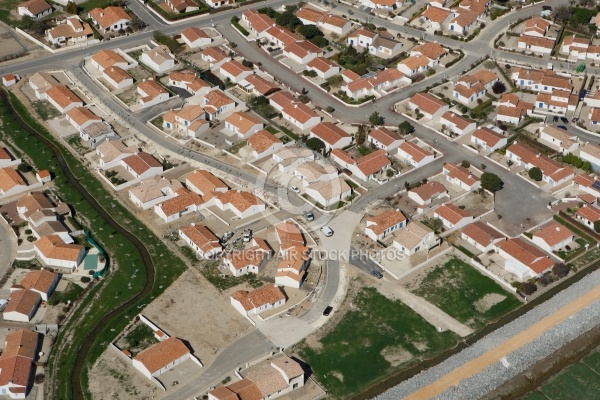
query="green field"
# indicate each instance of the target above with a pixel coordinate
(377, 336)
(456, 288)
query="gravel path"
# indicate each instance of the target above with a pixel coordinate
(496, 374)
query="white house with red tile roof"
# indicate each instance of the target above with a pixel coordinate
(81, 117)
(216, 103)
(415, 237)
(362, 37)
(335, 24)
(9, 80)
(541, 80)
(34, 8)
(384, 224)
(281, 36)
(461, 177)
(117, 77)
(382, 4)
(438, 16)
(195, 37)
(54, 252)
(366, 167)
(312, 171)
(452, 217)
(63, 99)
(428, 105)
(414, 155)
(299, 114)
(488, 139)
(142, 165)
(220, 3)
(588, 215)
(205, 184)
(473, 86)
(553, 172)
(590, 152)
(249, 260)
(552, 237)
(159, 59)
(259, 300)
(377, 84)
(413, 65)
(104, 59)
(263, 144)
(302, 51)
(433, 51)
(111, 152)
(190, 119)
(428, 192)
(481, 236)
(162, 357)
(258, 85)
(457, 124)
(242, 204)
(523, 259)
(332, 135)
(22, 306)
(328, 193)
(257, 23)
(182, 6)
(11, 182)
(324, 67)
(540, 45)
(290, 237)
(110, 19)
(575, 46)
(291, 271)
(189, 81)
(235, 71)
(41, 281)
(201, 240)
(214, 56)
(185, 202)
(7, 159)
(17, 363)
(152, 191)
(243, 124)
(151, 93)
(565, 141)
(383, 138)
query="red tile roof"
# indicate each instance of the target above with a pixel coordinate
(527, 254)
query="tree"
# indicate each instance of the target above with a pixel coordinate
(71, 8)
(528, 288)
(491, 182)
(404, 128)
(335, 81)
(289, 20)
(536, 174)
(562, 13)
(436, 224)
(465, 164)
(597, 226)
(319, 41)
(315, 144)
(498, 87)
(309, 31)
(560, 270)
(375, 119)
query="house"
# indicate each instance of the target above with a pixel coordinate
(382, 225)
(41, 281)
(565, 141)
(257, 23)
(182, 6)
(264, 144)
(553, 172)
(370, 85)
(324, 67)
(334, 24)
(463, 21)
(11, 182)
(111, 152)
(413, 65)
(258, 86)
(62, 98)
(195, 37)
(414, 155)
(329, 193)
(151, 93)
(362, 37)
(71, 30)
(413, 238)
(201, 240)
(31, 203)
(185, 202)
(142, 165)
(542, 80)
(540, 45)
(205, 184)
(54, 252)
(17, 363)
(452, 217)
(558, 102)
(152, 191)
(367, 167)
(481, 236)
(40, 82)
(290, 238)
(302, 51)
(461, 177)
(97, 133)
(9, 80)
(22, 306)
(216, 103)
(249, 260)
(189, 119)
(537, 26)
(588, 215)
(575, 46)
(110, 19)
(289, 158)
(117, 77)
(296, 112)
(291, 271)
(553, 237)
(383, 138)
(382, 4)
(35, 9)
(243, 124)
(262, 299)
(235, 71)
(242, 204)
(488, 139)
(269, 379)
(108, 58)
(457, 124)
(523, 259)
(433, 51)
(7, 159)
(513, 110)
(281, 37)
(161, 357)
(594, 116)
(590, 152)
(81, 117)
(471, 87)
(309, 16)
(428, 105)
(214, 56)
(189, 81)
(332, 135)
(159, 59)
(427, 192)
(385, 47)
(593, 100)
(220, 3)
(438, 17)
(311, 172)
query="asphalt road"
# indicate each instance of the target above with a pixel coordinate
(8, 246)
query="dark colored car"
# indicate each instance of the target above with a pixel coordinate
(562, 127)
(555, 119)
(564, 120)
(377, 274)
(327, 311)
(547, 8)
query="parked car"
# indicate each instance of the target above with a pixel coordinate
(327, 231)
(562, 127)
(327, 311)
(564, 120)
(226, 236)
(377, 274)
(295, 189)
(3, 304)
(247, 235)
(555, 119)
(309, 216)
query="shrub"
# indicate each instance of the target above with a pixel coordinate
(310, 73)
(536, 174)
(315, 144)
(499, 87)
(528, 288)
(248, 63)
(465, 164)
(330, 109)
(560, 270)
(85, 279)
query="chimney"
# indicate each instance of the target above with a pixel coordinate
(557, 229)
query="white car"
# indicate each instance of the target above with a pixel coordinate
(327, 231)
(295, 189)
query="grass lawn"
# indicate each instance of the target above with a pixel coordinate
(71, 293)
(213, 274)
(456, 288)
(89, 5)
(236, 147)
(140, 337)
(586, 258)
(575, 382)
(46, 110)
(271, 130)
(534, 396)
(353, 355)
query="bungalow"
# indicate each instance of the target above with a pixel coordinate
(142, 165)
(117, 77)
(383, 138)
(195, 37)
(362, 37)
(433, 51)
(243, 124)
(593, 100)
(324, 67)
(382, 4)
(575, 46)
(565, 141)
(511, 109)
(159, 59)
(553, 172)
(588, 215)
(540, 45)
(41, 281)
(6, 158)
(112, 152)
(40, 82)
(385, 47)
(544, 80)
(302, 51)
(235, 71)
(328, 193)
(242, 204)
(152, 191)
(594, 116)
(263, 144)
(258, 86)
(151, 93)
(457, 124)
(35, 9)
(182, 6)
(413, 238)
(552, 237)
(81, 117)
(482, 236)
(250, 260)
(262, 299)
(54, 252)
(488, 139)
(257, 23)
(291, 271)
(309, 16)
(537, 26)
(558, 102)
(289, 158)
(332, 135)
(439, 17)
(463, 21)
(384, 224)
(290, 237)
(189, 81)
(311, 172)
(216, 103)
(374, 84)
(17, 363)
(427, 192)
(413, 65)
(428, 105)
(184, 203)
(366, 167)
(9, 80)
(11, 182)
(301, 115)
(220, 3)
(591, 152)
(461, 177)
(214, 56)
(190, 120)
(452, 217)
(71, 30)
(110, 19)
(161, 357)
(205, 184)
(201, 240)
(334, 24)
(108, 58)
(473, 86)
(22, 306)
(63, 99)
(523, 259)
(281, 36)
(414, 155)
